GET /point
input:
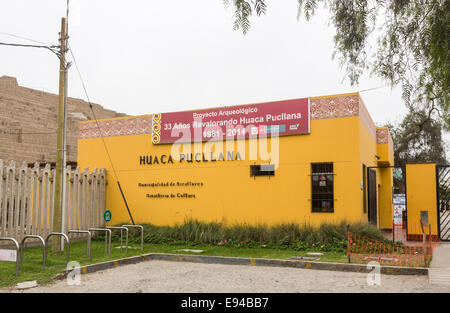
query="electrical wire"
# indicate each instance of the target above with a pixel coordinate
(14, 132)
(51, 48)
(92, 109)
(3, 132)
(25, 38)
(99, 129)
(374, 88)
(387, 84)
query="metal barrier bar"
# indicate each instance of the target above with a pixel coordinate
(75, 231)
(121, 235)
(107, 231)
(44, 250)
(142, 233)
(17, 249)
(67, 245)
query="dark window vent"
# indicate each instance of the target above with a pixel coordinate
(262, 170)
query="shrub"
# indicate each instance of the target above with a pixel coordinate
(326, 237)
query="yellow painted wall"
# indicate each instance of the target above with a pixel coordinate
(385, 151)
(369, 150)
(229, 194)
(385, 198)
(386, 155)
(421, 195)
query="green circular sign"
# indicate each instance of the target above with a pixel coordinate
(107, 216)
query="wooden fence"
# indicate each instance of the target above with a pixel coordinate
(26, 199)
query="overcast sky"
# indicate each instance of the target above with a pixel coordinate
(141, 57)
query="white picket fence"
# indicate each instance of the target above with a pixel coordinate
(26, 200)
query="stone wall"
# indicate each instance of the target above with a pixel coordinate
(28, 122)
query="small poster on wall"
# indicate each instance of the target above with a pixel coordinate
(399, 207)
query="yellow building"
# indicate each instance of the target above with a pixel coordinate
(313, 176)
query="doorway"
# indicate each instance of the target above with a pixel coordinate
(372, 196)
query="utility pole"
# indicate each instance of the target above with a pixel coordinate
(59, 179)
(60, 150)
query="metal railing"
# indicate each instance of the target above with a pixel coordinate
(67, 245)
(107, 231)
(44, 250)
(17, 249)
(108, 235)
(121, 235)
(142, 233)
(88, 248)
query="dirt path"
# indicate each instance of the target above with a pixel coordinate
(166, 276)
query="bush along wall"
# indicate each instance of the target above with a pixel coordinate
(298, 237)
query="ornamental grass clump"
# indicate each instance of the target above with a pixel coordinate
(325, 237)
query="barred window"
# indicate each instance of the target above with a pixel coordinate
(322, 187)
(262, 170)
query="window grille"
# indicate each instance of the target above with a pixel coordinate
(322, 187)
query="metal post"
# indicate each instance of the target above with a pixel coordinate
(107, 231)
(348, 243)
(88, 252)
(393, 229)
(429, 243)
(44, 250)
(122, 228)
(142, 233)
(67, 245)
(17, 253)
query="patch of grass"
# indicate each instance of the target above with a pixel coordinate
(256, 241)
(32, 265)
(56, 263)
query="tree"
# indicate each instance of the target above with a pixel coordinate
(413, 43)
(418, 138)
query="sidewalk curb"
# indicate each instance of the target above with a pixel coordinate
(344, 267)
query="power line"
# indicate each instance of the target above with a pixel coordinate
(25, 38)
(15, 132)
(387, 84)
(51, 48)
(374, 88)
(91, 107)
(28, 46)
(50, 133)
(54, 49)
(100, 131)
(60, 52)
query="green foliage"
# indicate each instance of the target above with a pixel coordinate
(243, 11)
(418, 138)
(326, 237)
(413, 43)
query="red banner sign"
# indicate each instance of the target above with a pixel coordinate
(281, 118)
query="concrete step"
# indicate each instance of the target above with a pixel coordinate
(439, 276)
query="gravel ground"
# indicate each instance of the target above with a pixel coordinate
(166, 276)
